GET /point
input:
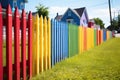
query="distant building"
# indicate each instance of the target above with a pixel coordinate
(91, 24)
(13, 3)
(77, 16)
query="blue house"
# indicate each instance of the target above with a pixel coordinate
(77, 16)
(13, 3)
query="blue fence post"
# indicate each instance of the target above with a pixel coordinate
(53, 43)
(104, 35)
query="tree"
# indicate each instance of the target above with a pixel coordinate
(118, 20)
(98, 21)
(42, 10)
(115, 24)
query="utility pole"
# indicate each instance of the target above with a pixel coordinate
(110, 12)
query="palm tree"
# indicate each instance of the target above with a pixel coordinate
(42, 10)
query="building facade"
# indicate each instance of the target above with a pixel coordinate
(13, 3)
(77, 16)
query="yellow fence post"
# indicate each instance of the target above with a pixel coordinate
(80, 39)
(45, 44)
(49, 44)
(41, 44)
(37, 42)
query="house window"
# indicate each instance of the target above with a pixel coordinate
(15, 3)
(70, 20)
(84, 22)
(21, 5)
(69, 13)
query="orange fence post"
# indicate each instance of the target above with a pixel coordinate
(85, 39)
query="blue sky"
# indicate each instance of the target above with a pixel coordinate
(95, 8)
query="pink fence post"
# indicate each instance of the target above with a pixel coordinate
(1, 44)
(30, 45)
(9, 42)
(17, 44)
(23, 44)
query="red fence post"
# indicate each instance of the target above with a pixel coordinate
(1, 44)
(9, 42)
(23, 44)
(17, 46)
(30, 45)
(99, 36)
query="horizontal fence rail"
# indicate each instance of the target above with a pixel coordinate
(34, 44)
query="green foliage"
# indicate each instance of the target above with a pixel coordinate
(98, 21)
(100, 63)
(42, 10)
(118, 20)
(115, 24)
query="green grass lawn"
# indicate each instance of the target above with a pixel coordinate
(100, 63)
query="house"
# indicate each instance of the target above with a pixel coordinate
(91, 24)
(77, 16)
(13, 3)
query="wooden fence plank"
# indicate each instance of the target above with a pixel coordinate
(30, 45)
(1, 44)
(37, 45)
(17, 44)
(41, 44)
(9, 42)
(23, 45)
(45, 44)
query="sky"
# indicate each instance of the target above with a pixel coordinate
(95, 8)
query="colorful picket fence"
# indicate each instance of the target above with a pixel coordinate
(39, 43)
(16, 67)
(41, 37)
(93, 38)
(59, 41)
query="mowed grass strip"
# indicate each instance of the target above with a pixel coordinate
(100, 63)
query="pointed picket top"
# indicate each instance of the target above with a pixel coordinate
(30, 15)
(49, 21)
(16, 12)
(9, 11)
(45, 22)
(41, 18)
(37, 18)
(45, 18)
(23, 13)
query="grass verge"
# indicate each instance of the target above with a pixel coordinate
(100, 63)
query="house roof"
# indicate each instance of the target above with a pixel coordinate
(77, 11)
(58, 17)
(80, 11)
